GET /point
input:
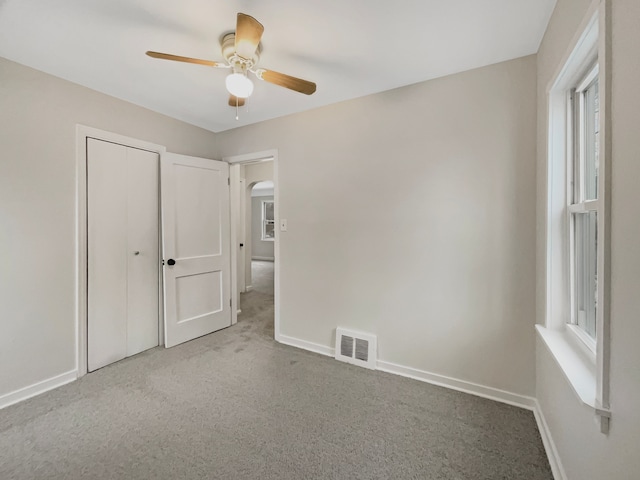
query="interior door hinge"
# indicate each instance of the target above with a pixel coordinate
(230, 302)
(229, 181)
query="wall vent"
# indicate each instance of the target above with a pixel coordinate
(356, 348)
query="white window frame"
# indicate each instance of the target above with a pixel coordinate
(266, 222)
(576, 202)
(586, 368)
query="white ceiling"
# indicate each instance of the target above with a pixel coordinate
(350, 48)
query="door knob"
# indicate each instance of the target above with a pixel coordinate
(171, 261)
(136, 253)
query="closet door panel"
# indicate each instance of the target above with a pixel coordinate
(107, 259)
(142, 253)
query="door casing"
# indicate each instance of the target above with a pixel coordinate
(82, 133)
(234, 173)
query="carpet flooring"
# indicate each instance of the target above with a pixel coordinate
(237, 405)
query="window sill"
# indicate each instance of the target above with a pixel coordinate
(578, 368)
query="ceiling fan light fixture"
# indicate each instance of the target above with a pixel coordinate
(239, 85)
(241, 51)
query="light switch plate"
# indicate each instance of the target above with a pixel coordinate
(283, 225)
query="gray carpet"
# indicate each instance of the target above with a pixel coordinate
(237, 405)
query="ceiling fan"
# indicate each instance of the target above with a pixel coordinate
(241, 51)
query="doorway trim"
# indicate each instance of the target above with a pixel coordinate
(82, 133)
(237, 160)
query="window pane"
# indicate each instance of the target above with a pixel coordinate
(268, 211)
(591, 139)
(586, 275)
(269, 230)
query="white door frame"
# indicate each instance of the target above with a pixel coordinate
(242, 228)
(237, 160)
(82, 133)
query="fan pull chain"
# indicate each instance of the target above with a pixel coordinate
(237, 116)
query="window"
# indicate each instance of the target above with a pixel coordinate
(576, 324)
(268, 221)
(583, 206)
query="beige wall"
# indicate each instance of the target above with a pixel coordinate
(439, 263)
(38, 117)
(585, 453)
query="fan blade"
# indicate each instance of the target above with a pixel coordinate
(235, 101)
(286, 81)
(178, 58)
(248, 35)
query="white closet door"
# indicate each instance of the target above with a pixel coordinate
(122, 226)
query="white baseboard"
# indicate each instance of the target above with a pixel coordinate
(303, 344)
(264, 259)
(491, 393)
(549, 446)
(37, 388)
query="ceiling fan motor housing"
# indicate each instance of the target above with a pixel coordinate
(229, 53)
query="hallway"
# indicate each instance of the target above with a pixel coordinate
(257, 305)
(262, 276)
